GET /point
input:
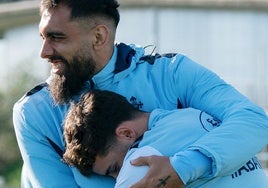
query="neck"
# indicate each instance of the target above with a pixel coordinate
(129, 131)
(103, 58)
(141, 123)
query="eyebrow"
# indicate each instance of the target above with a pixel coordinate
(53, 33)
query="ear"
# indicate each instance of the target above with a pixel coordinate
(125, 132)
(101, 34)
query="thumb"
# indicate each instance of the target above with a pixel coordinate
(140, 161)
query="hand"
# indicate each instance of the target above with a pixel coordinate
(160, 174)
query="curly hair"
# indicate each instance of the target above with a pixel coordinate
(86, 8)
(89, 127)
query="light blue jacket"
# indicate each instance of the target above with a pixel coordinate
(149, 82)
(174, 130)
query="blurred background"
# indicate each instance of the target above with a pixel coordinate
(229, 37)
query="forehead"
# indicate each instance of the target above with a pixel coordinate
(55, 19)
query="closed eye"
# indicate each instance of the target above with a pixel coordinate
(112, 170)
(54, 36)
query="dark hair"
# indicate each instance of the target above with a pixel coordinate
(86, 8)
(89, 127)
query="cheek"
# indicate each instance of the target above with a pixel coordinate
(99, 166)
(97, 169)
(67, 52)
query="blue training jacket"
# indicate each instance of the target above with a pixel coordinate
(170, 81)
(170, 131)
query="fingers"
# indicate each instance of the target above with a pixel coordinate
(141, 161)
(146, 180)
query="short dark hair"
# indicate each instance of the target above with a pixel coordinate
(89, 127)
(86, 8)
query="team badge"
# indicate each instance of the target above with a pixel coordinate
(208, 122)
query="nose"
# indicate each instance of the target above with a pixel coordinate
(46, 50)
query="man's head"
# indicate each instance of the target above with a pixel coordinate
(78, 39)
(97, 132)
(85, 8)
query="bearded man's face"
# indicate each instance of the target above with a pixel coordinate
(67, 45)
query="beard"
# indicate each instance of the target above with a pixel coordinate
(77, 71)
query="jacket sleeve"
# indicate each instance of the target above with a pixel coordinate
(42, 165)
(244, 128)
(38, 130)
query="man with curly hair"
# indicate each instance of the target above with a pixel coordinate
(104, 129)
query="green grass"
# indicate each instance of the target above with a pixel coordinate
(12, 175)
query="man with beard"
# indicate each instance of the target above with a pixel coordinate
(78, 42)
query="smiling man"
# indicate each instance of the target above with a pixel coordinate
(67, 49)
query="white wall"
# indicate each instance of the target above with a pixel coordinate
(233, 43)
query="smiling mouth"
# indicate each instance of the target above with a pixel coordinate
(57, 67)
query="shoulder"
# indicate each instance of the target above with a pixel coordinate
(130, 174)
(163, 59)
(139, 56)
(142, 151)
(169, 64)
(37, 94)
(164, 115)
(36, 89)
(30, 108)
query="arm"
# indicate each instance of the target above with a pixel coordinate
(244, 125)
(42, 164)
(35, 124)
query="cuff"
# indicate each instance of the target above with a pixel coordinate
(191, 165)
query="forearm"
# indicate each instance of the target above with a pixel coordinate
(244, 128)
(219, 153)
(191, 165)
(234, 142)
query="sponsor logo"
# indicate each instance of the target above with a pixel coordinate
(137, 104)
(250, 166)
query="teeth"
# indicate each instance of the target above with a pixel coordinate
(57, 67)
